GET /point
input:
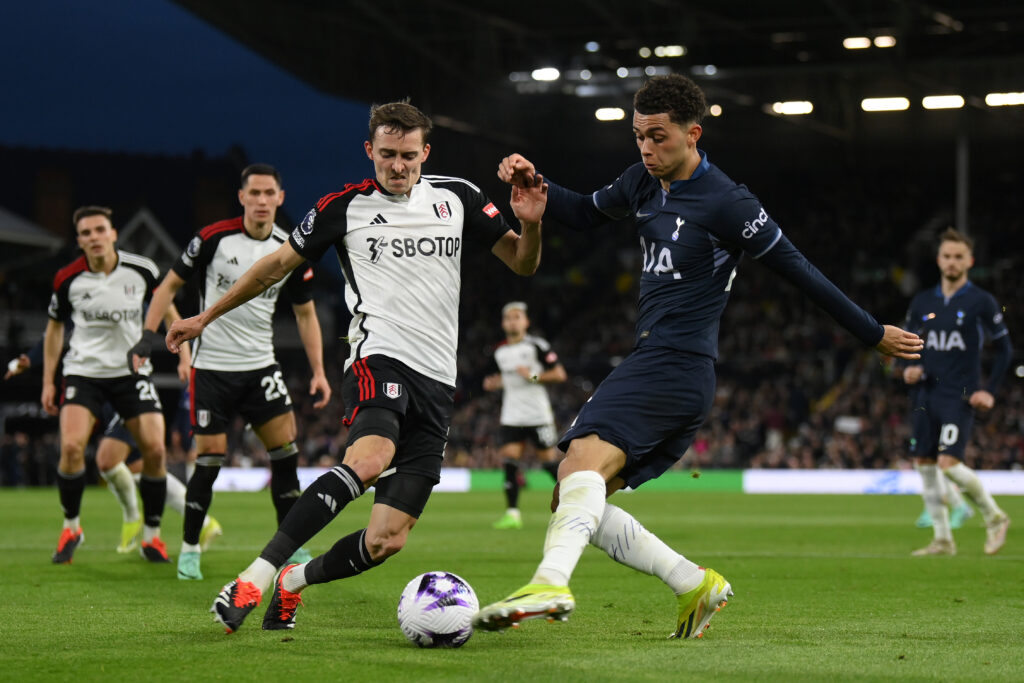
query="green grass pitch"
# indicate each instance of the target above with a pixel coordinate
(825, 590)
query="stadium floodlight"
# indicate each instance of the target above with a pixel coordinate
(793, 108)
(857, 43)
(644, 52)
(650, 69)
(610, 114)
(622, 72)
(585, 74)
(715, 110)
(547, 73)
(885, 104)
(942, 102)
(1004, 99)
(592, 46)
(885, 41)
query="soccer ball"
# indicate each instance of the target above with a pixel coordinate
(436, 610)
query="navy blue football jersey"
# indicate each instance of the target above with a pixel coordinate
(954, 331)
(692, 238)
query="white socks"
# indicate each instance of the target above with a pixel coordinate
(963, 476)
(626, 541)
(72, 523)
(933, 501)
(260, 573)
(951, 495)
(295, 580)
(122, 485)
(175, 494)
(580, 507)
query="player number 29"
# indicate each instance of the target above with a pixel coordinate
(274, 388)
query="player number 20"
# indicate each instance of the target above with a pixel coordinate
(147, 392)
(274, 388)
(949, 434)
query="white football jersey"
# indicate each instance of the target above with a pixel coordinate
(243, 338)
(401, 257)
(524, 403)
(106, 311)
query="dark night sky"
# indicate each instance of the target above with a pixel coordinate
(147, 76)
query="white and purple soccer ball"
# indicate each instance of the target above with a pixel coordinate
(436, 610)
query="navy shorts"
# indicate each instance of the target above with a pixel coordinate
(115, 429)
(651, 407)
(941, 424)
(257, 395)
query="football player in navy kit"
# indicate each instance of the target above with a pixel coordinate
(954, 318)
(399, 238)
(694, 224)
(521, 366)
(233, 366)
(102, 293)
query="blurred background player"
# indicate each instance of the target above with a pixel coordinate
(102, 293)
(522, 365)
(234, 367)
(694, 224)
(954, 318)
(399, 238)
(119, 460)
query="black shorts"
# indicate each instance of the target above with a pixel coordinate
(542, 436)
(257, 395)
(424, 408)
(130, 396)
(650, 406)
(941, 424)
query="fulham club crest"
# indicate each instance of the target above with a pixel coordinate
(203, 418)
(443, 211)
(392, 390)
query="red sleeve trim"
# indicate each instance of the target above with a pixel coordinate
(221, 226)
(77, 266)
(368, 184)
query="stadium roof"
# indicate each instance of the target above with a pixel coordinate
(471, 63)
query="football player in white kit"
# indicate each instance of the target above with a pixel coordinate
(399, 239)
(521, 366)
(233, 365)
(102, 293)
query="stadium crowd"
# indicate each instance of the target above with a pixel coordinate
(794, 390)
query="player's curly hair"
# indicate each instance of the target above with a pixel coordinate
(399, 116)
(674, 94)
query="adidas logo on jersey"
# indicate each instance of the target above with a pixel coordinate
(233, 261)
(378, 220)
(86, 296)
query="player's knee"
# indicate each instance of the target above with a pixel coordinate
(72, 451)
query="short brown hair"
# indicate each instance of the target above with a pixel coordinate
(954, 235)
(399, 116)
(86, 211)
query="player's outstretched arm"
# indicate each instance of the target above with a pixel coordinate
(521, 252)
(516, 169)
(260, 277)
(312, 340)
(900, 343)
